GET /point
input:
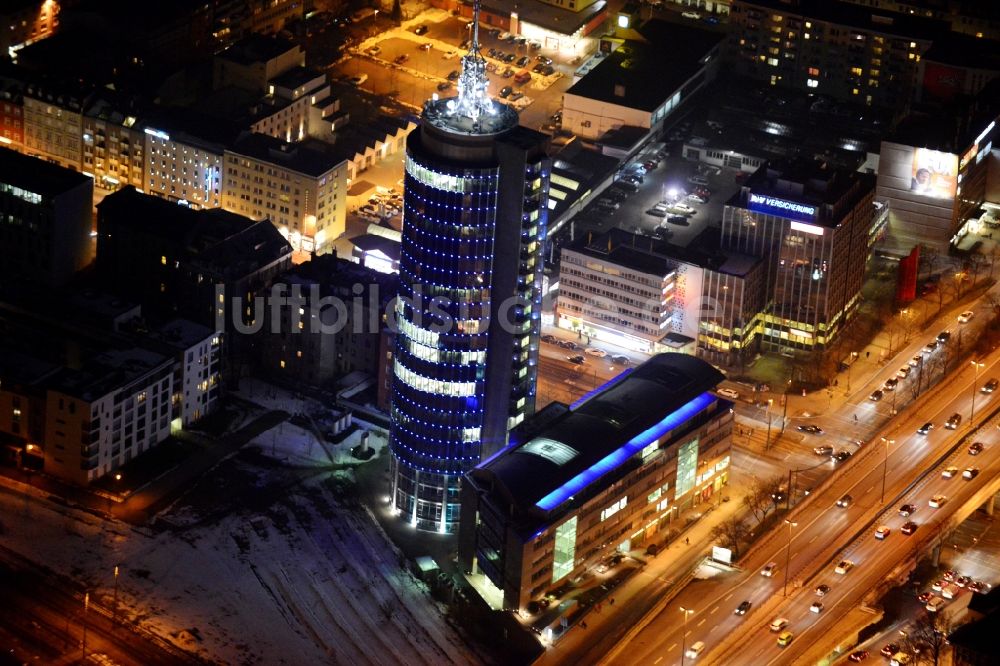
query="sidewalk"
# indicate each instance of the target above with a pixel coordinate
(647, 591)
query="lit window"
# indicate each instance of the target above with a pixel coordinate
(282, 364)
(813, 71)
(856, 71)
(163, 260)
(622, 21)
(812, 83)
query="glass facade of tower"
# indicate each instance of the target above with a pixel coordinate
(442, 318)
(469, 313)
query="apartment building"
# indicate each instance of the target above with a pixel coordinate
(298, 105)
(608, 474)
(197, 354)
(851, 53)
(45, 220)
(114, 144)
(24, 22)
(302, 191)
(183, 155)
(252, 62)
(53, 123)
(11, 113)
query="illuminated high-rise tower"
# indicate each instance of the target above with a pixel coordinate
(469, 310)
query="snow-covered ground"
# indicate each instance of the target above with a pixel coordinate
(270, 559)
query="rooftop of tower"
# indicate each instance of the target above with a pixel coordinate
(472, 111)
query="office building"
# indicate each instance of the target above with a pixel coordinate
(465, 362)
(814, 227)
(851, 53)
(607, 474)
(45, 220)
(301, 190)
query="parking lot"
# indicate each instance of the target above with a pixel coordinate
(670, 177)
(412, 67)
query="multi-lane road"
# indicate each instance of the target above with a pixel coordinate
(821, 533)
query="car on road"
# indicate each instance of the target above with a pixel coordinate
(779, 623)
(882, 532)
(975, 448)
(841, 456)
(843, 567)
(824, 450)
(506, 90)
(420, 30)
(924, 597)
(697, 648)
(742, 608)
(907, 510)
(550, 338)
(949, 472)
(401, 58)
(858, 656)
(925, 428)
(990, 386)
(785, 638)
(876, 395)
(937, 501)
(953, 421)
(426, 46)
(970, 473)
(966, 316)
(935, 604)
(728, 393)
(821, 590)
(944, 336)
(816, 607)
(769, 569)
(578, 359)
(977, 586)
(890, 649)
(903, 372)
(845, 501)
(908, 528)
(597, 353)
(621, 360)
(811, 429)
(891, 384)
(963, 581)
(568, 344)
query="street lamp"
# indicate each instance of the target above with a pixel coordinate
(767, 444)
(788, 554)
(854, 357)
(114, 609)
(885, 463)
(978, 365)
(686, 611)
(86, 606)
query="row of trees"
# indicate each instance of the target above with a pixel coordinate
(762, 500)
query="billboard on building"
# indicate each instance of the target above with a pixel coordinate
(934, 174)
(943, 82)
(906, 284)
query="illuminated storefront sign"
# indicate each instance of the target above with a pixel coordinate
(807, 228)
(762, 203)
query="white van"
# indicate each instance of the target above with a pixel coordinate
(695, 650)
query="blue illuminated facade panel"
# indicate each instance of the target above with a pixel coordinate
(470, 254)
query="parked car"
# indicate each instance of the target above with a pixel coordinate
(578, 359)
(453, 75)
(811, 429)
(598, 353)
(858, 656)
(930, 347)
(890, 384)
(506, 90)
(698, 180)
(916, 360)
(444, 85)
(728, 393)
(621, 360)
(420, 30)
(401, 58)
(550, 338)
(944, 336)
(876, 395)
(358, 80)
(903, 372)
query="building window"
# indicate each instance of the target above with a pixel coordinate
(812, 83)
(565, 549)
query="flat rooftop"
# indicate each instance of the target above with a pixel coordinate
(577, 447)
(550, 17)
(292, 156)
(37, 175)
(882, 21)
(644, 73)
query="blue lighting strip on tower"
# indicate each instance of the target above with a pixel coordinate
(616, 458)
(603, 387)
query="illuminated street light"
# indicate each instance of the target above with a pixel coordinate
(686, 611)
(788, 554)
(978, 365)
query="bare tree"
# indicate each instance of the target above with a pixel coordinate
(975, 265)
(993, 300)
(763, 496)
(927, 638)
(730, 533)
(929, 259)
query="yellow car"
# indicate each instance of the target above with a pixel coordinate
(785, 638)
